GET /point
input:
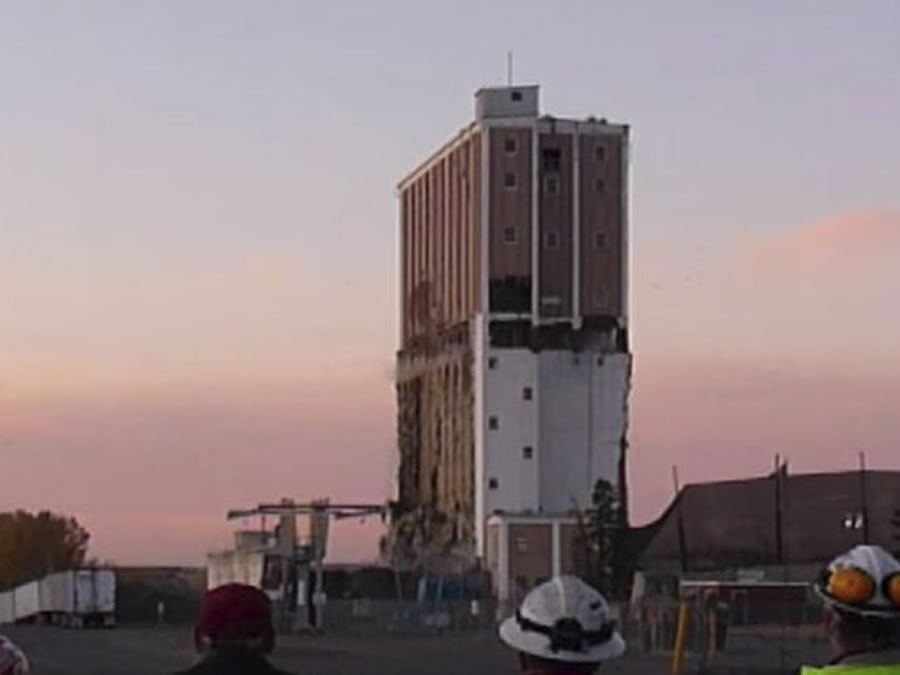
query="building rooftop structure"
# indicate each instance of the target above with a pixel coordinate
(735, 524)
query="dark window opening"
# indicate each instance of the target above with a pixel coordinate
(493, 484)
(492, 362)
(510, 146)
(511, 295)
(509, 181)
(516, 96)
(493, 423)
(551, 160)
(551, 239)
(551, 184)
(511, 333)
(527, 452)
(600, 240)
(600, 153)
(527, 393)
(600, 186)
(510, 235)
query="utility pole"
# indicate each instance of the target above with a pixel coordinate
(864, 502)
(682, 539)
(779, 532)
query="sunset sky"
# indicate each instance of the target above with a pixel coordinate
(198, 303)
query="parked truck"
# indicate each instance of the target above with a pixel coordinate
(7, 608)
(77, 598)
(27, 598)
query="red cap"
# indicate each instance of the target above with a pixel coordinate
(235, 612)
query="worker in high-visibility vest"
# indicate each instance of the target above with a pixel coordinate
(861, 591)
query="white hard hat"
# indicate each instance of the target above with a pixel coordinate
(12, 659)
(564, 619)
(865, 580)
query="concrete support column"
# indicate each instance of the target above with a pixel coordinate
(556, 544)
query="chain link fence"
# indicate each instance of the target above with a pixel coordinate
(730, 637)
(363, 617)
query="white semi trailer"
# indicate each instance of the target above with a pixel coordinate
(7, 608)
(76, 598)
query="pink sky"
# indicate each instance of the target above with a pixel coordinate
(198, 248)
(150, 459)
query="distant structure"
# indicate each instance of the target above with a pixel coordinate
(513, 371)
(783, 527)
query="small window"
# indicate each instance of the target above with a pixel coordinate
(551, 184)
(551, 239)
(600, 240)
(492, 362)
(510, 146)
(521, 545)
(600, 153)
(527, 393)
(516, 96)
(527, 452)
(493, 484)
(551, 160)
(493, 423)
(600, 186)
(510, 236)
(509, 181)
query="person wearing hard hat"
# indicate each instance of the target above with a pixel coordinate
(563, 626)
(861, 592)
(12, 659)
(234, 633)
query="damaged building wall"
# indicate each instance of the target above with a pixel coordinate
(514, 364)
(436, 443)
(440, 240)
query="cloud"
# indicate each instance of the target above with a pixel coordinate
(850, 239)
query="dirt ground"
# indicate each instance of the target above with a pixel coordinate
(155, 651)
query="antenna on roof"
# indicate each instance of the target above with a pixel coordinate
(509, 69)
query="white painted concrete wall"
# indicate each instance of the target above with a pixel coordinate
(574, 424)
(504, 460)
(583, 419)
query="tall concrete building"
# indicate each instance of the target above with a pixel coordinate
(513, 370)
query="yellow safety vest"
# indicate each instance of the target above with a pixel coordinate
(853, 669)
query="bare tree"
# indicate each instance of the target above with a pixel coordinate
(605, 560)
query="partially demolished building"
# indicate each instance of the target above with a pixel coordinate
(513, 371)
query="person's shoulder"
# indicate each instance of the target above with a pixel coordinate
(197, 669)
(200, 668)
(273, 670)
(276, 671)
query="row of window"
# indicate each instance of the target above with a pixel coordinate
(552, 239)
(549, 156)
(551, 183)
(493, 362)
